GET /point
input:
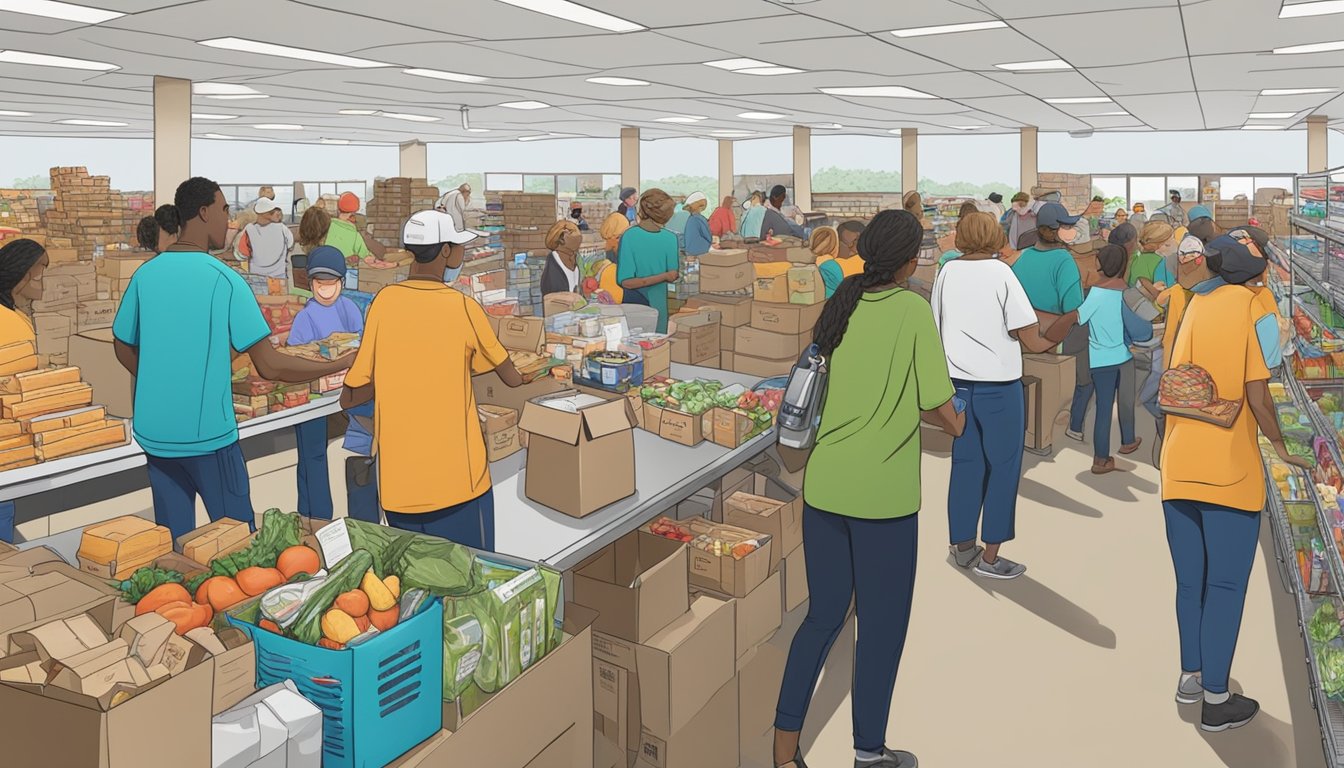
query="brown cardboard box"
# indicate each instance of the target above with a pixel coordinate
(116, 548)
(96, 314)
(679, 427)
(1057, 376)
(727, 338)
(638, 585)
(682, 667)
(758, 679)
(805, 285)
(759, 366)
(733, 310)
(735, 576)
(658, 361)
(616, 692)
(500, 427)
(780, 519)
(772, 290)
(772, 345)
(785, 318)
(491, 391)
(744, 480)
(119, 266)
(578, 463)
(36, 587)
(759, 614)
(730, 257)
(795, 579)
(217, 539)
(709, 740)
(235, 669)
(731, 279)
(113, 385)
(695, 336)
(53, 333)
(525, 334)
(1031, 390)
(373, 279)
(728, 361)
(729, 428)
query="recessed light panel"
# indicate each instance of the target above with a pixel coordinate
(1323, 8)
(440, 75)
(524, 105)
(288, 52)
(618, 81)
(1035, 66)
(1294, 91)
(946, 29)
(94, 123)
(563, 9)
(43, 60)
(205, 116)
(411, 118)
(1080, 100)
(278, 127)
(1271, 115)
(63, 11)
(879, 91)
(1335, 45)
(761, 116)
(358, 112)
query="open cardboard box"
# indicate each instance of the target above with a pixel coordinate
(579, 461)
(638, 585)
(50, 589)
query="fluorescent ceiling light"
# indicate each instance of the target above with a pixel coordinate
(536, 137)
(1107, 114)
(826, 126)
(616, 81)
(1337, 45)
(563, 9)
(478, 130)
(97, 123)
(1271, 115)
(896, 131)
(43, 60)
(974, 26)
(278, 127)
(54, 10)
(731, 134)
(524, 104)
(1035, 66)
(439, 75)
(1294, 91)
(875, 91)
(761, 116)
(217, 136)
(768, 71)
(967, 127)
(411, 118)
(358, 112)
(239, 96)
(680, 119)
(335, 141)
(1080, 100)
(1262, 127)
(286, 52)
(733, 65)
(204, 116)
(1299, 10)
(13, 113)
(220, 89)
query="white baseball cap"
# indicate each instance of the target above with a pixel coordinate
(265, 205)
(434, 227)
(693, 198)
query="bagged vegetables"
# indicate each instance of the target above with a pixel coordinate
(1324, 624)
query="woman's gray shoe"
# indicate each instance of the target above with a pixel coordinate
(1190, 692)
(967, 557)
(889, 759)
(1001, 568)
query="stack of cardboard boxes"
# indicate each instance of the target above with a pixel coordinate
(87, 211)
(526, 219)
(1075, 190)
(789, 295)
(394, 201)
(48, 414)
(19, 210)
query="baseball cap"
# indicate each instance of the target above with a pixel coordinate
(434, 227)
(1123, 234)
(1239, 263)
(1054, 216)
(995, 197)
(1200, 212)
(265, 205)
(349, 202)
(1191, 244)
(693, 198)
(326, 261)
(626, 192)
(1140, 208)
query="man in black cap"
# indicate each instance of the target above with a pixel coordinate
(995, 205)
(1174, 211)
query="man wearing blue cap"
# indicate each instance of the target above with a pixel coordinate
(1201, 224)
(1047, 270)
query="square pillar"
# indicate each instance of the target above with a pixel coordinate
(172, 136)
(630, 157)
(725, 168)
(909, 160)
(1029, 159)
(413, 160)
(802, 167)
(1318, 144)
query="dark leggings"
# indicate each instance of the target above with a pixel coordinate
(471, 523)
(872, 561)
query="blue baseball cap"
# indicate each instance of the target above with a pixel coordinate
(1200, 212)
(1054, 216)
(326, 261)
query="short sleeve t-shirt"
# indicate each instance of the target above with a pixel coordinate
(186, 312)
(1146, 265)
(345, 238)
(646, 254)
(975, 306)
(1103, 314)
(889, 367)
(419, 334)
(1051, 279)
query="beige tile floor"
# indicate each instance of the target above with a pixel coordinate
(1072, 665)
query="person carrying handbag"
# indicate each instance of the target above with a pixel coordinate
(1214, 394)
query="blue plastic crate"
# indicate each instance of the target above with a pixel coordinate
(378, 699)
(361, 299)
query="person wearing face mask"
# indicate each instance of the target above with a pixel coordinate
(1021, 218)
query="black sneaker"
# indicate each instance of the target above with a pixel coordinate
(1233, 713)
(889, 759)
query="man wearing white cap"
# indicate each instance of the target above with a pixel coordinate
(696, 238)
(677, 224)
(423, 338)
(264, 245)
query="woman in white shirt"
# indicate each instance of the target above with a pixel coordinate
(561, 273)
(982, 314)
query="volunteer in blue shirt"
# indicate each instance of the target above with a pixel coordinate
(181, 319)
(1047, 270)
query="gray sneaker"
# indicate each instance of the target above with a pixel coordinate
(1079, 436)
(1001, 568)
(967, 557)
(1190, 692)
(889, 759)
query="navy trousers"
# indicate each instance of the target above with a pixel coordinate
(219, 478)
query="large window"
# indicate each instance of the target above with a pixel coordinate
(680, 166)
(1114, 190)
(855, 163)
(970, 165)
(1149, 190)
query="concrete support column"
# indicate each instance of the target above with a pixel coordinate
(1318, 143)
(909, 159)
(172, 136)
(630, 157)
(725, 168)
(413, 160)
(802, 167)
(1029, 159)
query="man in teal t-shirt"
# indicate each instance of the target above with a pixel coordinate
(1047, 270)
(182, 317)
(650, 259)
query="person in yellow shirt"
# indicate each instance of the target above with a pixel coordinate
(845, 260)
(1213, 483)
(22, 263)
(423, 335)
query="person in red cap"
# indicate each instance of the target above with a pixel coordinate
(345, 235)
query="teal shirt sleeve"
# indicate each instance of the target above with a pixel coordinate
(832, 276)
(1069, 285)
(1086, 309)
(126, 325)
(246, 325)
(1267, 333)
(672, 257)
(1163, 275)
(629, 254)
(950, 255)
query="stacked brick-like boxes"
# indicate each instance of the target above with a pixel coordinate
(87, 211)
(394, 201)
(526, 219)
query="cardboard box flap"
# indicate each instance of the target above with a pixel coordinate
(548, 422)
(608, 419)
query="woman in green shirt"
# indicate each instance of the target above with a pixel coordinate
(650, 258)
(862, 493)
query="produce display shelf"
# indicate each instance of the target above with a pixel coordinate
(1309, 268)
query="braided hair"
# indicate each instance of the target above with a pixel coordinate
(16, 260)
(887, 245)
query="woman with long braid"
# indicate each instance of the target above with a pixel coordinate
(861, 494)
(22, 263)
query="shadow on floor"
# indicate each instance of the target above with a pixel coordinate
(1046, 604)
(1049, 497)
(1123, 485)
(1261, 743)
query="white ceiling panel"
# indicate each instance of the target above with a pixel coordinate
(857, 54)
(1081, 39)
(1166, 76)
(884, 17)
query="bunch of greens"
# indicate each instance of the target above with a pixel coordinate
(144, 580)
(438, 566)
(279, 531)
(1324, 624)
(517, 623)
(1330, 660)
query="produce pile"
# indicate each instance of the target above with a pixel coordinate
(721, 540)
(1298, 436)
(699, 395)
(1324, 630)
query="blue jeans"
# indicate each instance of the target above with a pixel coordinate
(987, 462)
(471, 523)
(1212, 549)
(219, 478)
(361, 489)
(314, 477)
(1107, 382)
(7, 521)
(872, 561)
(1148, 393)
